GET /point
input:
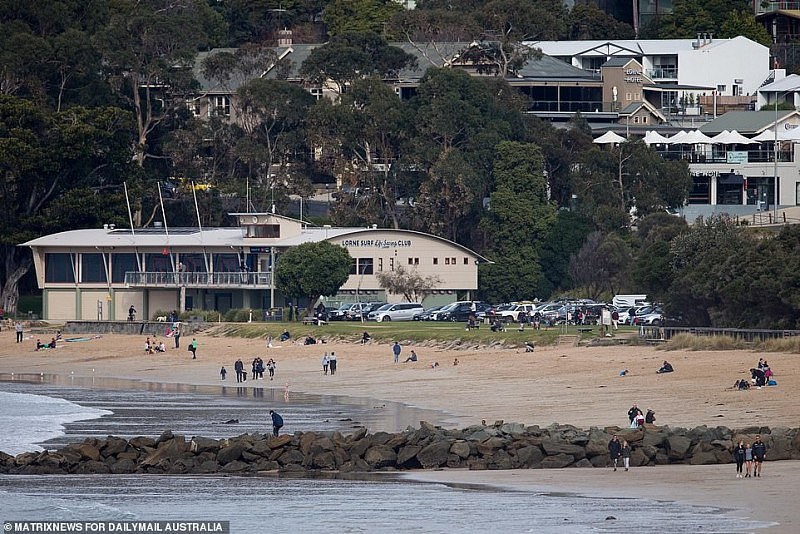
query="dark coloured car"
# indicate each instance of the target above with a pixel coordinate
(461, 312)
(425, 315)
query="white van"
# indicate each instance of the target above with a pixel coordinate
(628, 301)
(402, 311)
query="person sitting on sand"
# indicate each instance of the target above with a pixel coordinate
(285, 335)
(758, 376)
(741, 384)
(411, 358)
(365, 338)
(529, 346)
(40, 345)
(455, 361)
(148, 346)
(498, 326)
(52, 343)
(666, 368)
(161, 347)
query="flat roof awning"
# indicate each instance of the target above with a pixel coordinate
(660, 87)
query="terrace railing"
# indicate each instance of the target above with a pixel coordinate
(199, 280)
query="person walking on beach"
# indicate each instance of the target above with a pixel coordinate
(614, 450)
(193, 348)
(748, 459)
(325, 362)
(223, 372)
(625, 452)
(396, 350)
(176, 334)
(271, 368)
(277, 422)
(332, 362)
(238, 367)
(759, 455)
(18, 328)
(739, 456)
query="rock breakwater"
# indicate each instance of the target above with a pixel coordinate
(499, 446)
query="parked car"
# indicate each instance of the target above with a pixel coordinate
(401, 311)
(338, 313)
(462, 310)
(365, 310)
(425, 315)
(513, 311)
(649, 316)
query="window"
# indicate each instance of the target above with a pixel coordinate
(93, 268)
(365, 265)
(721, 89)
(121, 264)
(452, 261)
(316, 92)
(413, 261)
(436, 261)
(644, 119)
(636, 120)
(447, 261)
(226, 263)
(264, 230)
(391, 264)
(220, 105)
(466, 261)
(194, 263)
(380, 264)
(628, 96)
(58, 268)
(194, 107)
(354, 266)
(157, 263)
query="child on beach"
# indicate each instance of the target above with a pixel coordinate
(325, 363)
(748, 459)
(626, 454)
(223, 372)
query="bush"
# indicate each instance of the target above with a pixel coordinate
(241, 315)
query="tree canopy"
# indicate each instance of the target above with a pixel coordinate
(312, 270)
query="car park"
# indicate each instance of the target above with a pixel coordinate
(363, 310)
(401, 311)
(649, 316)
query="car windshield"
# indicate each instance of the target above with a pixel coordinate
(384, 307)
(344, 307)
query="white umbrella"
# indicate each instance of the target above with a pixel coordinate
(783, 135)
(678, 138)
(654, 138)
(765, 136)
(696, 137)
(739, 139)
(721, 138)
(609, 138)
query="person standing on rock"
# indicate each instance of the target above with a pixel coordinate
(332, 362)
(396, 350)
(626, 454)
(739, 456)
(759, 455)
(614, 450)
(633, 412)
(277, 422)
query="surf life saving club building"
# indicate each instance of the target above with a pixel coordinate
(97, 274)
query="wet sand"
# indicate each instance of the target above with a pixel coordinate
(564, 384)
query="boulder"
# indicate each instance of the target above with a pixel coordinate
(513, 429)
(280, 441)
(558, 461)
(638, 457)
(88, 451)
(292, 456)
(208, 466)
(358, 448)
(165, 436)
(499, 460)
(407, 456)
(653, 437)
(553, 447)
(703, 458)
(167, 450)
(325, 460)
(678, 446)
(142, 442)
(230, 453)
(358, 434)
(489, 446)
(113, 446)
(124, 467)
(434, 455)
(527, 457)
(460, 448)
(235, 467)
(582, 463)
(380, 456)
(200, 444)
(92, 467)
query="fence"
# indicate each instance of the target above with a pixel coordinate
(746, 334)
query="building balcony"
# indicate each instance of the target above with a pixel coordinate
(749, 156)
(243, 280)
(662, 73)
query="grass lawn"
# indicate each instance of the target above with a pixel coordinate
(415, 331)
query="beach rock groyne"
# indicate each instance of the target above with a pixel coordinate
(499, 446)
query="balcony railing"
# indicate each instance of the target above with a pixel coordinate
(199, 280)
(753, 156)
(663, 72)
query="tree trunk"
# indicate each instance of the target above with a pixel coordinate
(17, 263)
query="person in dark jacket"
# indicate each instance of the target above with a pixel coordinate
(738, 457)
(633, 412)
(614, 450)
(277, 422)
(759, 455)
(239, 368)
(650, 418)
(666, 368)
(625, 452)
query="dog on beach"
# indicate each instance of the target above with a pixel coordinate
(161, 318)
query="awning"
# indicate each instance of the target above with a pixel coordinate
(730, 178)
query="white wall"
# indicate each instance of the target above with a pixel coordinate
(722, 63)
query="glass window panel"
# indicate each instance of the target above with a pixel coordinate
(120, 264)
(93, 269)
(226, 263)
(58, 268)
(157, 263)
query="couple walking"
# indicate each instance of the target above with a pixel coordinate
(617, 450)
(329, 361)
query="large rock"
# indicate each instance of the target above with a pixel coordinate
(280, 441)
(558, 461)
(489, 446)
(230, 453)
(88, 451)
(92, 467)
(292, 456)
(201, 444)
(553, 447)
(325, 460)
(703, 458)
(678, 446)
(527, 457)
(142, 442)
(434, 455)
(380, 456)
(407, 456)
(113, 446)
(460, 448)
(167, 450)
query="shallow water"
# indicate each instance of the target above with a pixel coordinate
(352, 506)
(374, 504)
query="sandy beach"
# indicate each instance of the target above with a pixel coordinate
(581, 386)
